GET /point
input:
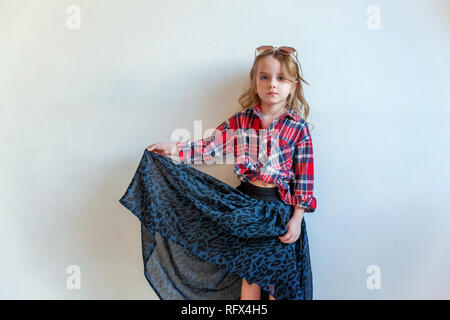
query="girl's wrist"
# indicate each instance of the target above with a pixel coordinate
(298, 213)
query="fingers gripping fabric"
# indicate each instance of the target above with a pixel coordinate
(201, 236)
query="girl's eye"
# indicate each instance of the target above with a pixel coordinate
(281, 78)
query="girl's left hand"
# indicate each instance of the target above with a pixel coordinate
(293, 231)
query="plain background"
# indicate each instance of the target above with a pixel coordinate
(79, 107)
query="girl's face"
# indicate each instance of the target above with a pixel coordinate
(270, 79)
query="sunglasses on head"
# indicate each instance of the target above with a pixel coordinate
(284, 50)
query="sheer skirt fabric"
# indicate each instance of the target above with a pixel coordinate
(201, 236)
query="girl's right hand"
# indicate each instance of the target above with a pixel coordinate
(163, 148)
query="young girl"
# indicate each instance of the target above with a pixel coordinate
(255, 232)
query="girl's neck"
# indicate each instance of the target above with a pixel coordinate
(272, 111)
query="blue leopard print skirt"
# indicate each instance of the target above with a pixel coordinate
(201, 236)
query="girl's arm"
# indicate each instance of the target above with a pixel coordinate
(219, 143)
(298, 213)
(302, 193)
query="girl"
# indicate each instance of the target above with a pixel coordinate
(255, 232)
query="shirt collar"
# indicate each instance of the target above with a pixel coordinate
(290, 113)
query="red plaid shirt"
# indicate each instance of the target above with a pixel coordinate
(282, 154)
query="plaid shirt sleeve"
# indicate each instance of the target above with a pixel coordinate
(218, 143)
(302, 194)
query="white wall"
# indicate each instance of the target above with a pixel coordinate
(78, 108)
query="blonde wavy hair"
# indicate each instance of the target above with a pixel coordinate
(292, 70)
